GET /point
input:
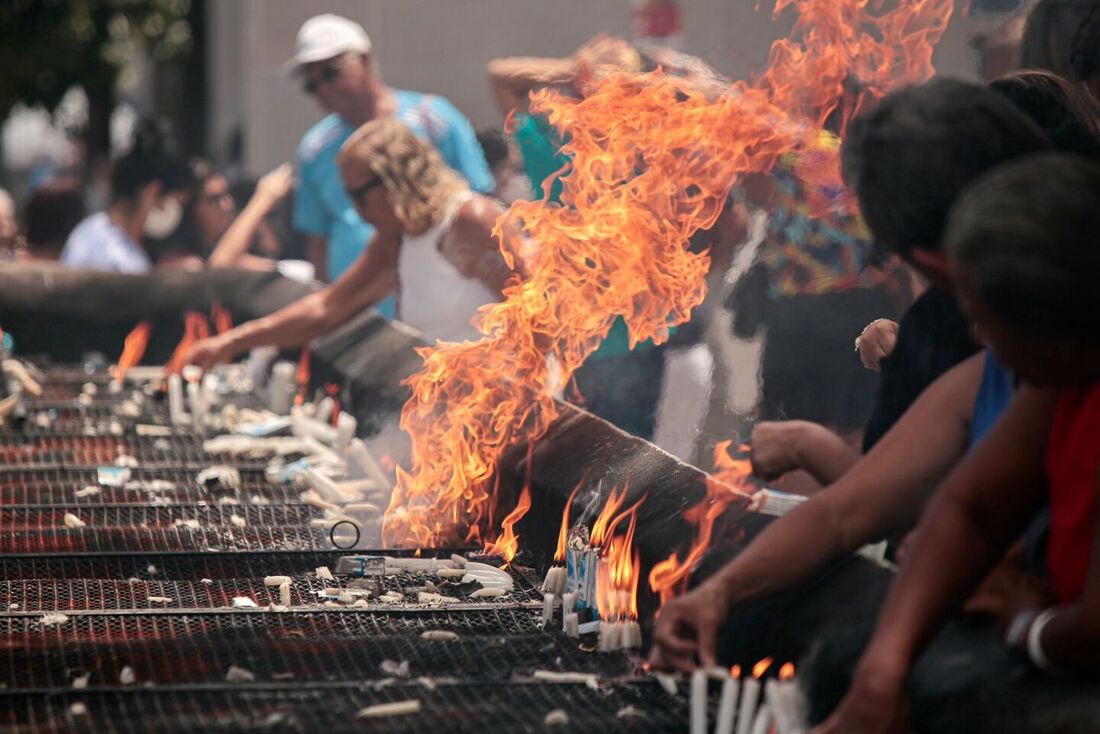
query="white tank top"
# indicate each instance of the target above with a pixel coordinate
(436, 299)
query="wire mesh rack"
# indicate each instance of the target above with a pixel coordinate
(126, 540)
(56, 486)
(154, 516)
(77, 450)
(450, 707)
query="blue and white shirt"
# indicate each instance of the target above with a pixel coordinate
(323, 208)
(100, 244)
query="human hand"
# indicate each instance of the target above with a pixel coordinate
(687, 628)
(876, 342)
(207, 352)
(275, 185)
(875, 704)
(775, 448)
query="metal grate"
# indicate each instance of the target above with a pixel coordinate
(458, 708)
(182, 566)
(121, 540)
(27, 629)
(56, 486)
(79, 450)
(205, 660)
(148, 516)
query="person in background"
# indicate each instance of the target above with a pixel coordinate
(1063, 36)
(510, 182)
(934, 334)
(214, 232)
(433, 235)
(50, 214)
(1024, 255)
(333, 59)
(149, 186)
(905, 159)
(8, 227)
(619, 384)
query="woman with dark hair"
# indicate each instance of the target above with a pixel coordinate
(148, 188)
(50, 214)
(1064, 110)
(1063, 36)
(213, 231)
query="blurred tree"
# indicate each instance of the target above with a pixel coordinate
(50, 46)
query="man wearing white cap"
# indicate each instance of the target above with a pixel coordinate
(333, 59)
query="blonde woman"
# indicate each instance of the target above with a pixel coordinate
(433, 239)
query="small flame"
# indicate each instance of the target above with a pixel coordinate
(761, 667)
(669, 577)
(333, 391)
(133, 349)
(194, 329)
(507, 544)
(620, 564)
(223, 320)
(787, 671)
(735, 671)
(563, 533)
(302, 376)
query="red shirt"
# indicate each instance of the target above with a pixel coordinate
(1073, 470)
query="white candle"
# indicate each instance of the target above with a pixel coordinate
(175, 399)
(282, 387)
(631, 636)
(547, 608)
(727, 706)
(569, 601)
(198, 410)
(699, 702)
(750, 693)
(345, 431)
(763, 720)
(571, 624)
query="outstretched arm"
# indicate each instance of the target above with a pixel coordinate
(883, 493)
(370, 279)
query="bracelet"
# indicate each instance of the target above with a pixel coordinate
(1035, 643)
(1016, 634)
(865, 328)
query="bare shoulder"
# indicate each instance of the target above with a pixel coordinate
(476, 218)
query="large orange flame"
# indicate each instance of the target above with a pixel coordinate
(507, 544)
(195, 327)
(133, 349)
(653, 161)
(620, 565)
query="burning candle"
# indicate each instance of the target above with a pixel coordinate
(175, 399)
(631, 636)
(569, 601)
(699, 702)
(750, 695)
(727, 705)
(763, 720)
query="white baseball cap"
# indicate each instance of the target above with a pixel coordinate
(326, 37)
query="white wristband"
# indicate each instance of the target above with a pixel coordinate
(1035, 642)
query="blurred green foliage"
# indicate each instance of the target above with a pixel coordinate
(49, 46)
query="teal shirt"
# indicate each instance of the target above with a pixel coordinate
(540, 147)
(323, 208)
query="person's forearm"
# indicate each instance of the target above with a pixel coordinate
(512, 79)
(883, 492)
(236, 241)
(317, 254)
(290, 326)
(825, 455)
(981, 509)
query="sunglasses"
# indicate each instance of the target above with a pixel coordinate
(359, 192)
(330, 72)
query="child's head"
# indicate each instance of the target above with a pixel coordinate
(1065, 111)
(1023, 249)
(908, 157)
